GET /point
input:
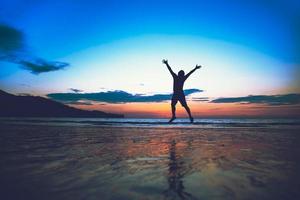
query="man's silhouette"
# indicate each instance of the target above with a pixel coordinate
(178, 94)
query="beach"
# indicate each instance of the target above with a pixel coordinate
(78, 160)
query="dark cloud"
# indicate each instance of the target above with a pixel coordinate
(10, 39)
(75, 90)
(37, 66)
(285, 99)
(12, 49)
(117, 96)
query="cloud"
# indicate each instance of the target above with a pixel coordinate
(12, 49)
(80, 103)
(200, 99)
(10, 39)
(117, 96)
(285, 99)
(75, 90)
(24, 94)
(37, 66)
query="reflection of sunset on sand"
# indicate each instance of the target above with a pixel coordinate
(152, 163)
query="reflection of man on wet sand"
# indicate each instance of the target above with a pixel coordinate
(175, 176)
(178, 94)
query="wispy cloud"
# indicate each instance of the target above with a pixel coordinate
(37, 66)
(200, 99)
(75, 90)
(284, 99)
(117, 96)
(12, 49)
(86, 103)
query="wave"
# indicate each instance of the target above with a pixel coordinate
(131, 122)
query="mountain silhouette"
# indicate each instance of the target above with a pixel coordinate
(36, 106)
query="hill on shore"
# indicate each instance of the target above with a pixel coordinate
(36, 106)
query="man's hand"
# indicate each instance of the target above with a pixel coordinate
(198, 66)
(165, 61)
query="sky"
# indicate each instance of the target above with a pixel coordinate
(249, 52)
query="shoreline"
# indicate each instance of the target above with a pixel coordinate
(155, 123)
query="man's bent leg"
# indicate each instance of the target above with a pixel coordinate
(184, 104)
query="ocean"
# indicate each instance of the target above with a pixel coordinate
(159, 122)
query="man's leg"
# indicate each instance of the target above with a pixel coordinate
(173, 107)
(189, 112)
(184, 104)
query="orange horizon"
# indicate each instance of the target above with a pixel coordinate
(203, 109)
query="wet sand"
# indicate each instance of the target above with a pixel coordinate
(95, 162)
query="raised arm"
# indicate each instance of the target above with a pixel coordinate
(188, 74)
(169, 68)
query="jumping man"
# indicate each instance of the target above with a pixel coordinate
(178, 94)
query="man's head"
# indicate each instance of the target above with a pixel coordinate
(181, 73)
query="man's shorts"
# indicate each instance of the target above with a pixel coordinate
(179, 97)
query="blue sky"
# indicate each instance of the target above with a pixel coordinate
(247, 41)
(269, 26)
